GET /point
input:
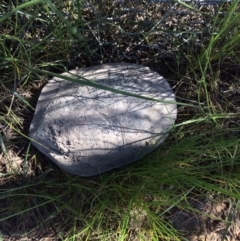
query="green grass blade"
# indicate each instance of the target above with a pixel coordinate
(19, 7)
(87, 82)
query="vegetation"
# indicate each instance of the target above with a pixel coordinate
(188, 189)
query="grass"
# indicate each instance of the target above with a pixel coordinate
(188, 186)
